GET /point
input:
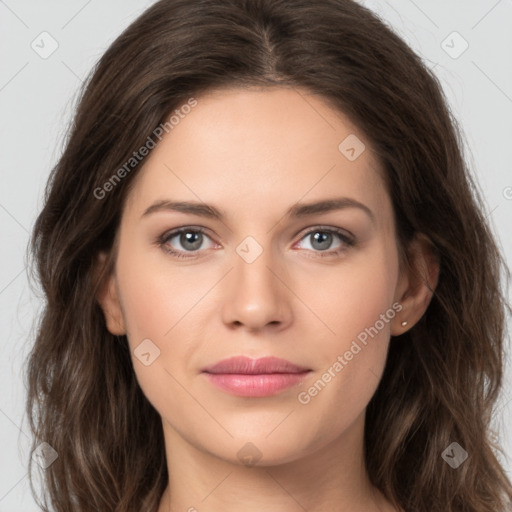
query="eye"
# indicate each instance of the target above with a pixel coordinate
(190, 239)
(321, 239)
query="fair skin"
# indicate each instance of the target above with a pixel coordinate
(253, 154)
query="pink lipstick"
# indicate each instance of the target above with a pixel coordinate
(243, 376)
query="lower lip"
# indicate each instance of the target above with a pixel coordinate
(266, 384)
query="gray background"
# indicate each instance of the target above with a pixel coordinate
(37, 96)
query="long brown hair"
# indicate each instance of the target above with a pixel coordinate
(442, 377)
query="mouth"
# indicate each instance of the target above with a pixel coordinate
(243, 376)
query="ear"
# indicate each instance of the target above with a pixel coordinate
(416, 284)
(108, 296)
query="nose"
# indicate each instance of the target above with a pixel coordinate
(256, 295)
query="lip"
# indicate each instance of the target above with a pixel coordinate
(243, 376)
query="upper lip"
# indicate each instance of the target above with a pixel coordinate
(248, 366)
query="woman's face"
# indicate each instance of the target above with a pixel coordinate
(271, 275)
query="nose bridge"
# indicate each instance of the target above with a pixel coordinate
(253, 262)
(256, 296)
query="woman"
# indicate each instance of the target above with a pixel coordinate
(270, 284)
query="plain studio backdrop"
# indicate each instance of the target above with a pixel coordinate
(47, 50)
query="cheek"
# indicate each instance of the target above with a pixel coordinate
(154, 319)
(166, 306)
(354, 297)
(155, 300)
(357, 304)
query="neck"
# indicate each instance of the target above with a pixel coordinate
(330, 477)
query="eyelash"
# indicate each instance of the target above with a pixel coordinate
(165, 237)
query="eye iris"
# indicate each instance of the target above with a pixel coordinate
(320, 237)
(190, 237)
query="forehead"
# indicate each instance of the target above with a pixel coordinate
(249, 147)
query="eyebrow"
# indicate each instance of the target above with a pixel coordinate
(297, 210)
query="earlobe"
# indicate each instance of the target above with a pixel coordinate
(419, 284)
(108, 298)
